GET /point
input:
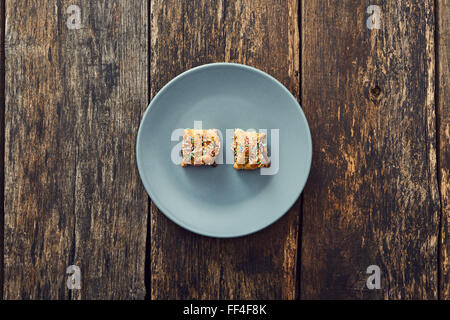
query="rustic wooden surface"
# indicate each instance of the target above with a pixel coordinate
(377, 102)
(2, 135)
(372, 197)
(259, 33)
(74, 99)
(443, 100)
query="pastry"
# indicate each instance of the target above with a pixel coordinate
(200, 147)
(250, 150)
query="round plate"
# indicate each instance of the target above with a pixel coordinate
(221, 201)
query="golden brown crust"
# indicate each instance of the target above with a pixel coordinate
(250, 166)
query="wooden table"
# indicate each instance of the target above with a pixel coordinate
(372, 81)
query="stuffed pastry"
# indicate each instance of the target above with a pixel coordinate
(200, 147)
(250, 150)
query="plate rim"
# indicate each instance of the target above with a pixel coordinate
(159, 203)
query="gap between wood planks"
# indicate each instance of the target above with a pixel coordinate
(438, 167)
(300, 225)
(441, 43)
(148, 239)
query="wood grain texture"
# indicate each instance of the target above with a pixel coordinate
(72, 194)
(39, 155)
(443, 91)
(111, 205)
(372, 195)
(259, 33)
(2, 136)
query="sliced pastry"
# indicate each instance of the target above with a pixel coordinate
(250, 150)
(200, 147)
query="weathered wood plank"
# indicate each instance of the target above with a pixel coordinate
(111, 205)
(443, 49)
(259, 33)
(372, 196)
(72, 193)
(39, 154)
(2, 135)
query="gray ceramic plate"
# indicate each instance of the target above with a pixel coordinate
(221, 201)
